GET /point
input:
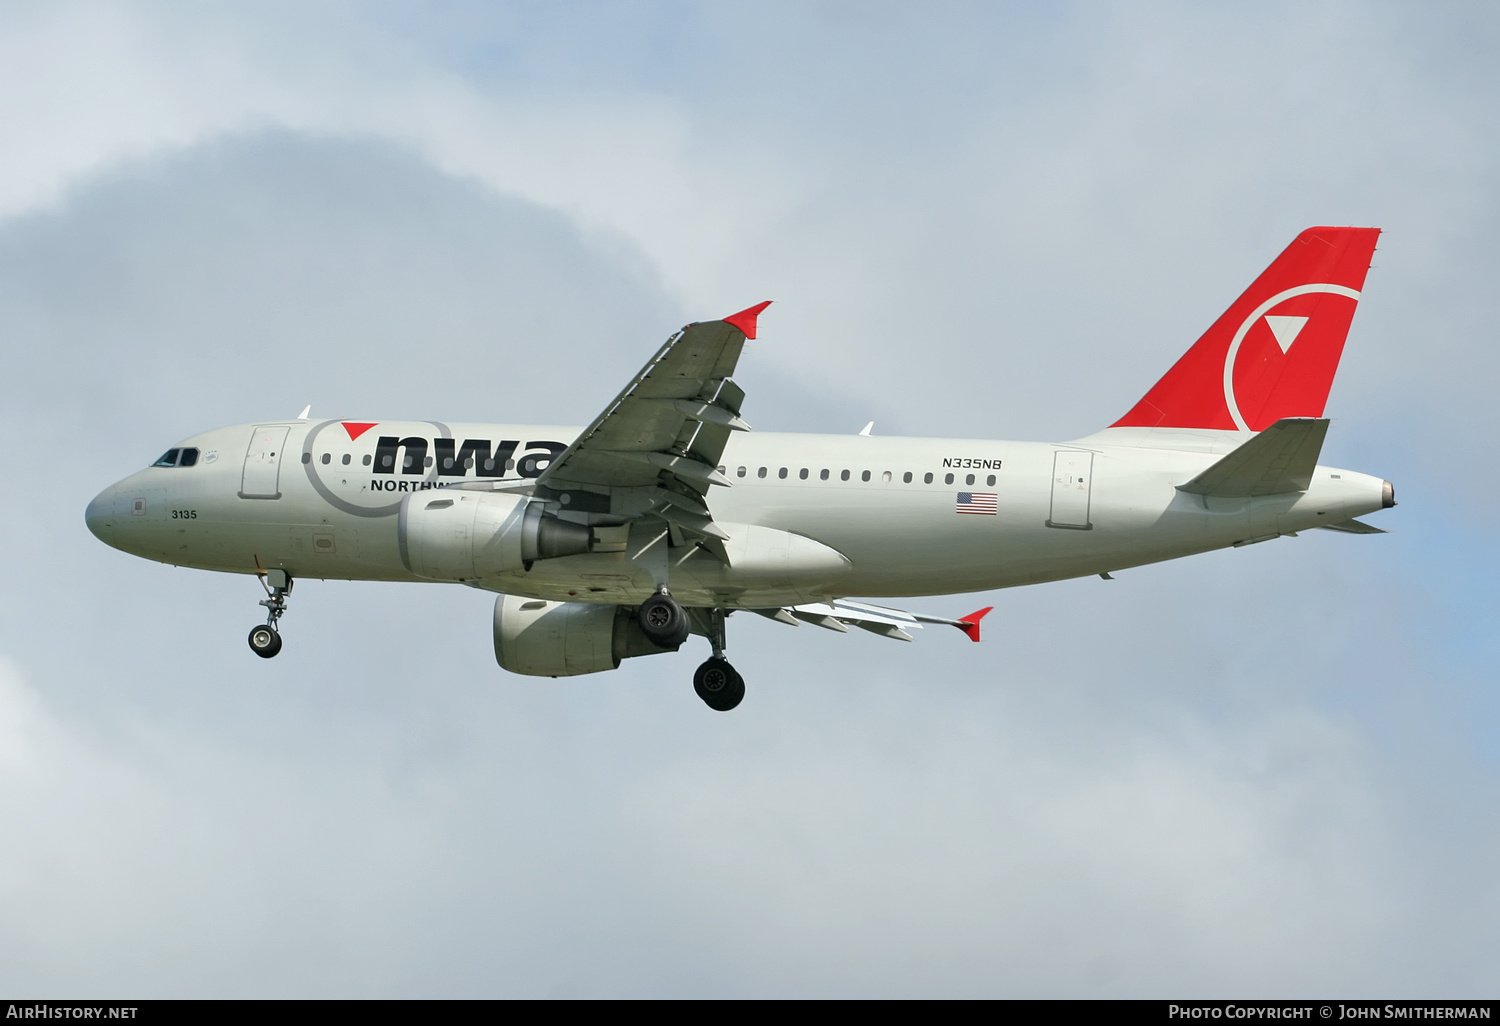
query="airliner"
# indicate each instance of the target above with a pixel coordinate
(667, 513)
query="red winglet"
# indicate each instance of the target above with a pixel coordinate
(355, 430)
(745, 319)
(970, 624)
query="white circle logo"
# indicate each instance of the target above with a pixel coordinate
(1285, 329)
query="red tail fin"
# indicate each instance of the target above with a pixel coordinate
(1273, 353)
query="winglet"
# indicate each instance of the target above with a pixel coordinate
(970, 624)
(745, 319)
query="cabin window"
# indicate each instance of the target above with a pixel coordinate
(510, 465)
(906, 477)
(327, 458)
(781, 473)
(447, 462)
(947, 479)
(740, 472)
(969, 479)
(823, 475)
(886, 477)
(427, 462)
(927, 479)
(307, 457)
(802, 473)
(844, 475)
(388, 459)
(345, 460)
(761, 472)
(865, 476)
(366, 460)
(990, 480)
(489, 465)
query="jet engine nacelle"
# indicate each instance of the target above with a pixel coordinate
(564, 639)
(450, 534)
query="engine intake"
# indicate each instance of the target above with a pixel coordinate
(455, 535)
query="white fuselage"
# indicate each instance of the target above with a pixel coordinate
(809, 516)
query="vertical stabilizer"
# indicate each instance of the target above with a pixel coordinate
(1274, 352)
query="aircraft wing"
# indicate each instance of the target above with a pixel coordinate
(841, 614)
(655, 449)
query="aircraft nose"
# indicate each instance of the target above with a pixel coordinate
(100, 516)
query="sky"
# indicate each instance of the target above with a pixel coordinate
(1272, 771)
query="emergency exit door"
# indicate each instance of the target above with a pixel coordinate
(1072, 473)
(262, 476)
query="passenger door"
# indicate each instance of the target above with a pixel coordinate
(262, 476)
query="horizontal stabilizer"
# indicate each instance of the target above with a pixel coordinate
(1279, 459)
(1353, 527)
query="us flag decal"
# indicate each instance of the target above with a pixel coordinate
(978, 502)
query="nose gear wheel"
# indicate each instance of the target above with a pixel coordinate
(265, 641)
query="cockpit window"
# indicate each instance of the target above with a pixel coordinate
(177, 458)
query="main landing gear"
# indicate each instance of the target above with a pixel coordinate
(663, 620)
(716, 682)
(265, 640)
(667, 625)
(719, 685)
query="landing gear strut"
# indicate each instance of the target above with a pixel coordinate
(716, 682)
(265, 639)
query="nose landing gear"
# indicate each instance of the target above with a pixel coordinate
(265, 639)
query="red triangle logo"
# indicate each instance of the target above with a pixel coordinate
(355, 430)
